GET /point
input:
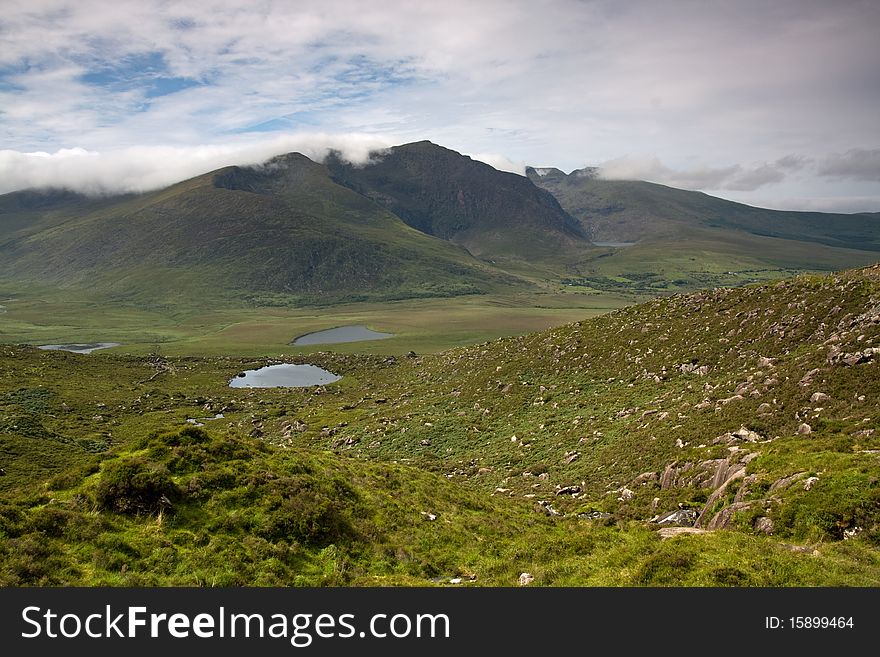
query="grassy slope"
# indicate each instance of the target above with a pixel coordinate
(610, 389)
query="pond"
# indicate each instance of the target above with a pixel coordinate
(284, 376)
(341, 334)
(76, 348)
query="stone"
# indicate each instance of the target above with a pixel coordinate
(720, 473)
(670, 532)
(804, 429)
(764, 525)
(525, 579)
(569, 490)
(625, 495)
(807, 378)
(570, 457)
(427, 515)
(765, 409)
(645, 478)
(748, 435)
(738, 473)
(763, 361)
(721, 520)
(680, 517)
(785, 482)
(819, 397)
(809, 482)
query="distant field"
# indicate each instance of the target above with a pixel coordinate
(46, 316)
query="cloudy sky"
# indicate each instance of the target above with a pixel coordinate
(770, 103)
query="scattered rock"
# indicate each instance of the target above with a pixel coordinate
(427, 515)
(721, 520)
(807, 378)
(748, 435)
(809, 482)
(765, 362)
(765, 409)
(569, 490)
(681, 517)
(851, 533)
(764, 525)
(625, 495)
(526, 578)
(645, 478)
(819, 397)
(804, 429)
(544, 506)
(570, 457)
(594, 515)
(785, 482)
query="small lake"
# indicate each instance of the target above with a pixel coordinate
(616, 245)
(86, 348)
(341, 334)
(284, 376)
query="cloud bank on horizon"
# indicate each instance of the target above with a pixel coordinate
(767, 103)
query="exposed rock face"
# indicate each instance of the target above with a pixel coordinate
(681, 517)
(721, 520)
(764, 525)
(785, 482)
(738, 473)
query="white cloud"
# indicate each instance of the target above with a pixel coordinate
(142, 168)
(855, 164)
(560, 82)
(500, 162)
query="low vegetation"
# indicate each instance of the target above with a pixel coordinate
(727, 437)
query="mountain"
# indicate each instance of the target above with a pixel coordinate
(491, 213)
(628, 211)
(278, 233)
(675, 239)
(418, 220)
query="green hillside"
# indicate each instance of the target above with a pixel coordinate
(283, 233)
(724, 437)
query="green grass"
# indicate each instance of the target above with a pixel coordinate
(90, 444)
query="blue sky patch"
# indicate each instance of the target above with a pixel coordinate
(148, 73)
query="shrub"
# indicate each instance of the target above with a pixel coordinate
(135, 486)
